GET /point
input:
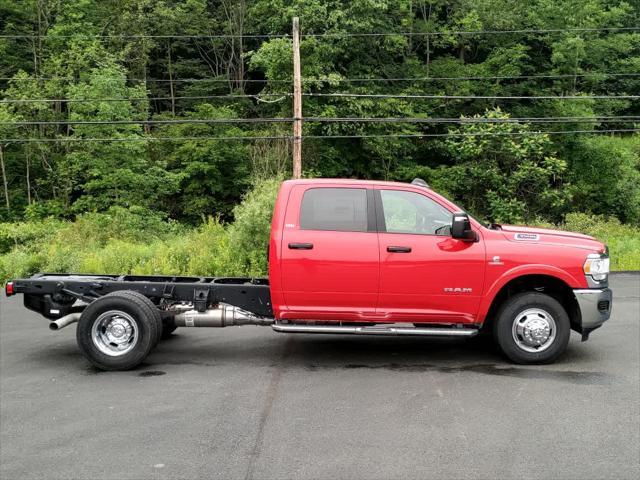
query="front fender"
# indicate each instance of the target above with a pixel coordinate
(520, 271)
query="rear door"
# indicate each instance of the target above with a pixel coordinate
(425, 275)
(330, 254)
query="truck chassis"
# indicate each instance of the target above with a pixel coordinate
(55, 295)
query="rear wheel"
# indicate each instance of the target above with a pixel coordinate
(117, 331)
(152, 310)
(532, 328)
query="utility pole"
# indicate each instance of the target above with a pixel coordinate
(297, 102)
(4, 180)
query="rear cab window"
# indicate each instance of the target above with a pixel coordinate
(335, 209)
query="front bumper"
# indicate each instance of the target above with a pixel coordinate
(595, 308)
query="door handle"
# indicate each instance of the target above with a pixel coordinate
(301, 246)
(399, 249)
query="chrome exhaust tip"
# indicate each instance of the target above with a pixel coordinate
(64, 321)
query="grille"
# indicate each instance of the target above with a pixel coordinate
(603, 305)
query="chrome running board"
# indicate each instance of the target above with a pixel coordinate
(375, 330)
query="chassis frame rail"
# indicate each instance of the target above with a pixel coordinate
(53, 295)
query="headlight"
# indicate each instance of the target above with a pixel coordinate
(597, 266)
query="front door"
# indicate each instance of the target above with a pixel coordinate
(330, 255)
(425, 275)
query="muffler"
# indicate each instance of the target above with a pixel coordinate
(64, 321)
(223, 316)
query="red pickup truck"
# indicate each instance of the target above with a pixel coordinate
(356, 257)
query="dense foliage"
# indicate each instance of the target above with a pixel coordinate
(91, 52)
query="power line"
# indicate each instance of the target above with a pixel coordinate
(283, 95)
(473, 32)
(153, 80)
(152, 122)
(140, 139)
(491, 77)
(473, 97)
(342, 80)
(427, 120)
(475, 134)
(320, 35)
(474, 120)
(142, 37)
(140, 99)
(288, 137)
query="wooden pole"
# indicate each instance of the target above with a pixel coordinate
(4, 180)
(297, 102)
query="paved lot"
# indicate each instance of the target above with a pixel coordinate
(248, 403)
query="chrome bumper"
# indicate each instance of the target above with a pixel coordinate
(595, 308)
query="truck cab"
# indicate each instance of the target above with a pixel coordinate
(386, 252)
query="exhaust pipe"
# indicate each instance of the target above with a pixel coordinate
(223, 316)
(375, 330)
(64, 321)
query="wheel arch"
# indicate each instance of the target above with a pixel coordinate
(553, 285)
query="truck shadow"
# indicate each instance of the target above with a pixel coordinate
(320, 353)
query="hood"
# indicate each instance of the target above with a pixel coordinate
(521, 234)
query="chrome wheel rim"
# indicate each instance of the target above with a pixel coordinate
(534, 330)
(115, 333)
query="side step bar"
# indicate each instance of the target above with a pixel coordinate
(376, 330)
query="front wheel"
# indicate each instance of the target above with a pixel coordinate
(532, 328)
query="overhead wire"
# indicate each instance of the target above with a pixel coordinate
(321, 35)
(258, 97)
(343, 80)
(428, 120)
(473, 120)
(471, 32)
(151, 122)
(141, 99)
(469, 78)
(290, 137)
(474, 134)
(471, 97)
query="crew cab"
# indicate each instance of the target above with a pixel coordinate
(355, 257)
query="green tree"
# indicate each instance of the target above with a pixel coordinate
(505, 173)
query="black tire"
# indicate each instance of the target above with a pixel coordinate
(513, 345)
(167, 330)
(153, 311)
(136, 313)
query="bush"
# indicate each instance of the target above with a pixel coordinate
(606, 177)
(249, 234)
(13, 235)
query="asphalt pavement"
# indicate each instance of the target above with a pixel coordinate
(248, 403)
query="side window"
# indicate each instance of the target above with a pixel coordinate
(410, 212)
(338, 209)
